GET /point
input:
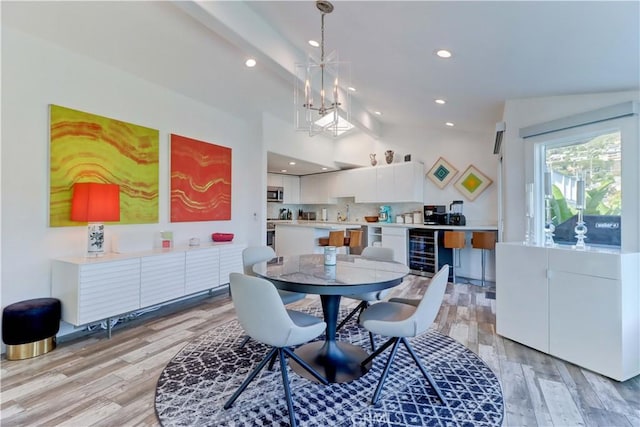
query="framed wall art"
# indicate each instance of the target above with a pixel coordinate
(85, 147)
(441, 173)
(200, 180)
(472, 183)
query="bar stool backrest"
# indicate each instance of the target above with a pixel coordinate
(336, 238)
(454, 239)
(484, 240)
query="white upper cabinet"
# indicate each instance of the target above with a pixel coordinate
(408, 182)
(274, 180)
(316, 189)
(291, 189)
(398, 182)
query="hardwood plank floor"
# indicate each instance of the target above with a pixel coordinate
(95, 381)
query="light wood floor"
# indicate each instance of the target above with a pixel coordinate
(95, 381)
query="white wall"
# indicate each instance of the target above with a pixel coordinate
(36, 74)
(518, 166)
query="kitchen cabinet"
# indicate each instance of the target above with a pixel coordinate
(315, 189)
(290, 185)
(291, 189)
(580, 306)
(374, 235)
(365, 188)
(274, 180)
(344, 183)
(396, 239)
(95, 289)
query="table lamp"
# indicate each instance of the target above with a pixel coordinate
(95, 203)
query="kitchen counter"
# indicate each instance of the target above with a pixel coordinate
(336, 225)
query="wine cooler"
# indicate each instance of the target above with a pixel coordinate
(427, 253)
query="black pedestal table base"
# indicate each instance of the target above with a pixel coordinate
(338, 362)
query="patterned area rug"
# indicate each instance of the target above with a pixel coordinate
(194, 386)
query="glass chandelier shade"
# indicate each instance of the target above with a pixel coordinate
(320, 100)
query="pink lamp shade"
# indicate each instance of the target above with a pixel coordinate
(94, 202)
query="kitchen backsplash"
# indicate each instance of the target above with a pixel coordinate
(357, 211)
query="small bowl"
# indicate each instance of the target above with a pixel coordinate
(371, 218)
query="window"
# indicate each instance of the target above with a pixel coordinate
(595, 158)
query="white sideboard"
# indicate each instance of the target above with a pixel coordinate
(95, 289)
(580, 306)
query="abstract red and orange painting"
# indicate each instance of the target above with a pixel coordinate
(89, 148)
(200, 180)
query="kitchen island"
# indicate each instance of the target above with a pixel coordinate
(301, 237)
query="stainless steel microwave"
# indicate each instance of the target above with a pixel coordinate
(274, 194)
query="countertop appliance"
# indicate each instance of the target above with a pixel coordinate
(384, 214)
(455, 214)
(434, 214)
(275, 194)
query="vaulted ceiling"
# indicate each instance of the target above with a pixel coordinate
(501, 50)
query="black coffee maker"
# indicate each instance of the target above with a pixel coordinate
(455, 214)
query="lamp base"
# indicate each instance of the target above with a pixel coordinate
(95, 240)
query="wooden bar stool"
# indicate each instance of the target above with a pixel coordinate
(336, 238)
(355, 239)
(486, 241)
(455, 240)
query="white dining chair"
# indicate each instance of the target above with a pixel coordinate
(255, 254)
(264, 318)
(399, 320)
(371, 252)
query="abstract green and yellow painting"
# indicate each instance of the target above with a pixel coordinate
(90, 148)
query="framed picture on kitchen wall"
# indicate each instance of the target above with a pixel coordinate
(472, 183)
(442, 172)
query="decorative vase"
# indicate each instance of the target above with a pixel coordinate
(372, 156)
(388, 155)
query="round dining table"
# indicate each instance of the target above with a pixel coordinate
(337, 361)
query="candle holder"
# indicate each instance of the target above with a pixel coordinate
(529, 234)
(581, 232)
(549, 228)
(580, 228)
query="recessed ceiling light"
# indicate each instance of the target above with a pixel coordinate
(377, 113)
(292, 163)
(440, 101)
(442, 53)
(449, 124)
(250, 63)
(283, 170)
(314, 43)
(324, 169)
(352, 89)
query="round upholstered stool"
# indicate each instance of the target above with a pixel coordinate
(29, 327)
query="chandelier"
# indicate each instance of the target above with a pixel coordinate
(319, 109)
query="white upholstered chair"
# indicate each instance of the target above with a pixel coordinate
(264, 318)
(398, 321)
(372, 252)
(256, 254)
